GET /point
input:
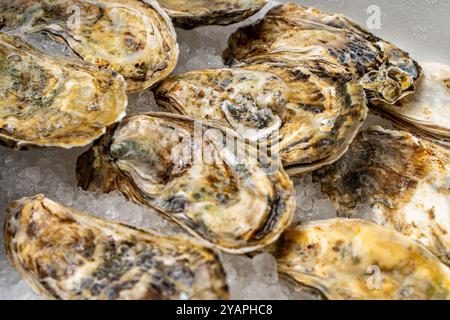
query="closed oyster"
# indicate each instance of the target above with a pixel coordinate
(402, 181)
(310, 119)
(47, 101)
(65, 254)
(426, 112)
(188, 14)
(132, 37)
(299, 35)
(185, 170)
(356, 259)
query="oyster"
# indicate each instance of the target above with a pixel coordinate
(402, 181)
(356, 259)
(47, 101)
(65, 254)
(299, 35)
(188, 14)
(186, 171)
(133, 37)
(311, 119)
(428, 110)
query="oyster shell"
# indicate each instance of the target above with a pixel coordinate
(403, 182)
(47, 101)
(356, 259)
(310, 119)
(65, 254)
(133, 37)
(299, 35)
(184, 170)
(188, 14)
(428, 110)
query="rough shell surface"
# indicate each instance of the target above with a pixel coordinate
(356, 259)
(65, 254)
(188, 14)
(427, 111)
(299, 35)
(190, 175)
(402, 181)
(48, 101)
(309, 117)
(133, 37)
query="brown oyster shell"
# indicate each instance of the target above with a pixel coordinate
(356, 259)
(189, 14)
(132, 37)
(400, 180)
(426, 112)
(65, 254)
(298, 34)
(229, 200)
(310, 117)
(54, 102)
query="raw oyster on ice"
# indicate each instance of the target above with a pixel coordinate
(402, 181)
(426, 112)
(299, 35)
(356, 259)
(48, 101)
(132, 37)
(188, 173)
(188, 14)
(310, 119)
(65, 254)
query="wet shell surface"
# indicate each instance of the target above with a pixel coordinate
(188, 14)
(65, 254)
(426, 112)
(188, 172)
(132, 37)
(402, 181)
(356, 259)
(310, 118)
(48, 101)
(299, 35)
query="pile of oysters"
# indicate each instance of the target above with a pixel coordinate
(299, 85)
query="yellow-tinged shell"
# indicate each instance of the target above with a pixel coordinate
(298, 34)
(187, 172)
(311, 117)
(132, 37)
(188, 14)
(356, 259)
(427, 111)
(65, 254)
(48, 101)
(402, 181)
